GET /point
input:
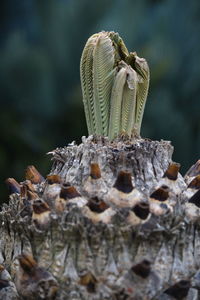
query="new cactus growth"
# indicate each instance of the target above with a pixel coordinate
(114, 85)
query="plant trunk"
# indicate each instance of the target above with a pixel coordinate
(111, 221)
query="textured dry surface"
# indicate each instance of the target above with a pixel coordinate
(111, 221)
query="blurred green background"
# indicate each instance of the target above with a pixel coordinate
(40, 98)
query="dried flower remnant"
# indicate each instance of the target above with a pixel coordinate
(172, 171)
(34, 282)
(41, 212)
(33, 175)
(68, 194)
(13, 186)
(123, 193)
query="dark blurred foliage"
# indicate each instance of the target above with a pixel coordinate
(40, 47)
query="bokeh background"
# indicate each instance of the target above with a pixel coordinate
(40, 98)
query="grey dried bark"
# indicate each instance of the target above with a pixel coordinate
(111, 221)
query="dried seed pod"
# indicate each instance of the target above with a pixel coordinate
(13, 186)
(33, 175)
(34, 282)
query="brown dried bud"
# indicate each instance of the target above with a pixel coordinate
(51, 179)
(97, 205)
(33, 175)
(123, 182)
(141, 210)
(161, 194)
(41, 211)
(172, 171)
(179, 290)
(40, 206)
(95, 171)
(68, 192)
(13, 185)
(142, 269)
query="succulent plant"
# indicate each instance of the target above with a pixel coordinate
(114, 85)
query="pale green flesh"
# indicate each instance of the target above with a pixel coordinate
(114, 85)
(116, 103)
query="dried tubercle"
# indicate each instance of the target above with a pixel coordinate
(95, 171)
(172, 171)
(41, 211)
(52, 179)
(141, 210)
(123, 182)
(123, 194)
(160, 194)
(52, 188)
(94, 185)
(13, 186)
(97, 205)
(33, 175)
(68, 194)
(33, 281)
